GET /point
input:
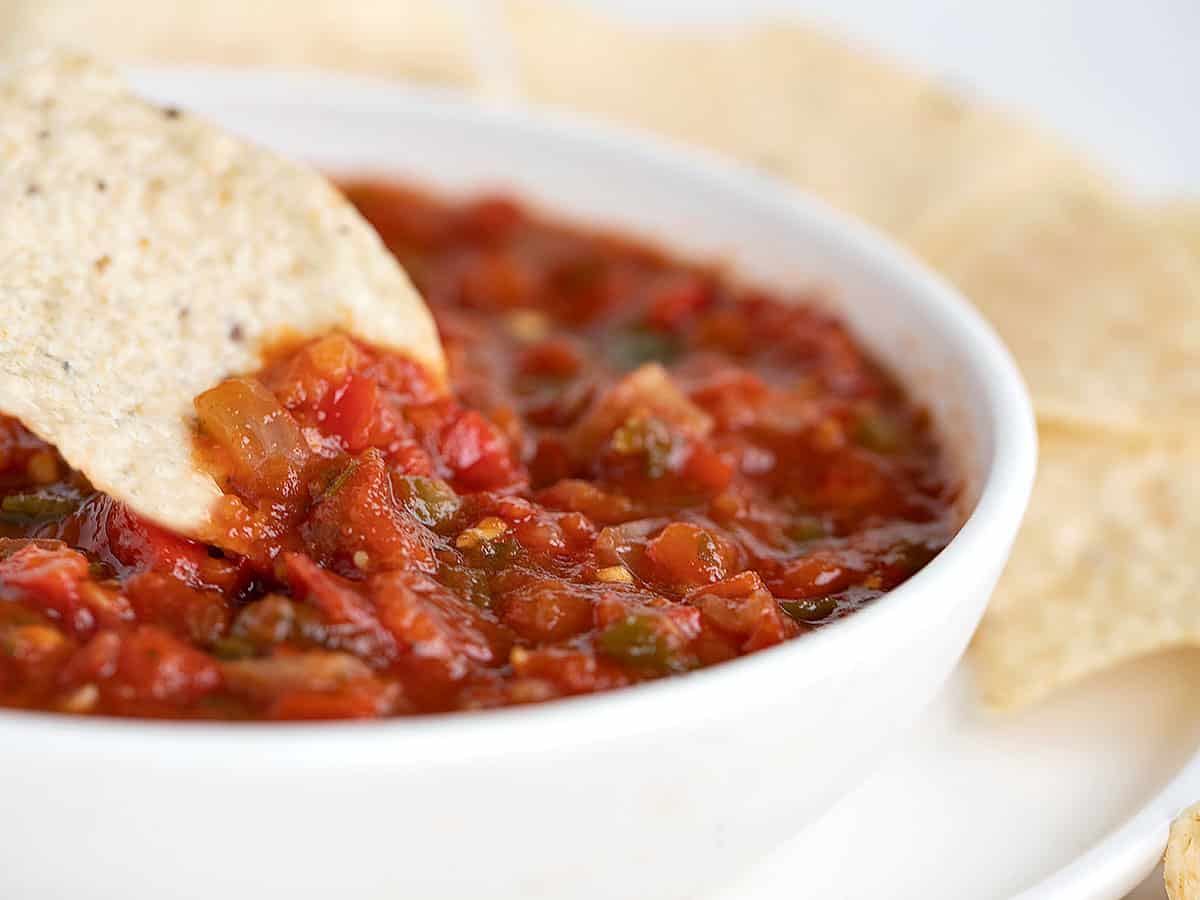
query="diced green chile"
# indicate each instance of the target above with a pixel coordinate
(806, 528)
(232, 647)
(640, 346)
(813, 609)
(821, 609)
(878, 432)
(649, 438)
(493, 554)
(636, 640)
(470, 583)
(339, 480)
(431, 501)
(37, 506)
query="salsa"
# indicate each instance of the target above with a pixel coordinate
(641, 468)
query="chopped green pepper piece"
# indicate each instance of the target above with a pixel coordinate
(877, 432)
(340, 479)
(649, 438)
(636, 641)
(37, 506)
(640, 346)
(806, 528)
(814, 609)
(469, 583)
(431, 501)
(916, 556)
(494, 554)
(233, 648)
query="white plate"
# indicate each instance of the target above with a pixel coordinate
(1066, 802)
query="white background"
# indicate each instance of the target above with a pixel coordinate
(1120, 79)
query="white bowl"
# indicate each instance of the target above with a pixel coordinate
(660, 791)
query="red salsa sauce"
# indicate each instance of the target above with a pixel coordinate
(642, 469)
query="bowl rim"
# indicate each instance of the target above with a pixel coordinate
(987, 531)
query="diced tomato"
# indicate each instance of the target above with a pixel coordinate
(358, 526)
(571, 671)
(547, 610)
(477, 455)
(584, 497)
(351, 411)
(93, 662)
(49, 581)
(200, 615)
(407, 457)
(32, 650)
(438, 634)
(334, 596)
(852, 481)
(677, 298)
(816, 574)
(154, 666)
(404, 217)
(342, 604)
(313, 372)
(684, 555)
(498, 280)
(404, 380)
(358, 701)
(732, 395)
(489, 218)
(707, 469)
(558, 358)
(742, 607)
(312, 671)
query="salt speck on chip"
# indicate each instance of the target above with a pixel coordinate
(145, 255)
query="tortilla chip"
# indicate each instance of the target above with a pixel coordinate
(867, 136)
(1103, 569)
(145, 256)
(1183, 221)
(1181, 862)
(427, 40)
(1096, 302)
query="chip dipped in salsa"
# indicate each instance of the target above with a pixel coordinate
(642, 468)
